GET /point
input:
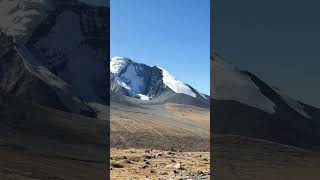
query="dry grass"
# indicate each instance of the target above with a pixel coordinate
(165, 130)
(238, 158)
(20, 165)
(193, 114)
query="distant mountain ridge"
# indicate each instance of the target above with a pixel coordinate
(143, 82)
(242, 104)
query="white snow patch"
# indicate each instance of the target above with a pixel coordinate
(175, 85)
(298, 107)
(131, 78)
(20, 17)
(121, 83)
(231, 84)
(117, 64)
(144, 97)
(203, 95)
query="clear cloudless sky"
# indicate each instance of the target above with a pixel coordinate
(172, 34)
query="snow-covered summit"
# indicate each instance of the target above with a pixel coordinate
(176, 85)
(117, 64)
(145, 82)
(230, 83)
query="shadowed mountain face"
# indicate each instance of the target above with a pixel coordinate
(154, 84)
(54, 91)
(58, 59)
(242, 104)
(20, 78)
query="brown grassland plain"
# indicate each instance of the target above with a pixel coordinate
(170, 142)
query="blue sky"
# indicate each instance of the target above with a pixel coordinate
(172, 34)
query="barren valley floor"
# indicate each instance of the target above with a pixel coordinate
(240, 158)
(20, 165)
(169, 141)
(41, 143)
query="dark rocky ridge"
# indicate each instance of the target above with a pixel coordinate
(16, 80)
(43, 54)
(285, 126)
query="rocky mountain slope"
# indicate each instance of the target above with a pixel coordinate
(242, 104)
(55, 53)
(53, 73)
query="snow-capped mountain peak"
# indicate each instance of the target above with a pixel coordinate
(147, 83)
(126, 76)
(230, 83)
(117, 64)
(176, 85)
(247, 106)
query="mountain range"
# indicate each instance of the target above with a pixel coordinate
(243, 104)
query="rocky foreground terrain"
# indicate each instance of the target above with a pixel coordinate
(157, 164)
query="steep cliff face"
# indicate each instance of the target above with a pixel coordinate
(35, 83)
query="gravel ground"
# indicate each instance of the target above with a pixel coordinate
(159, 164)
